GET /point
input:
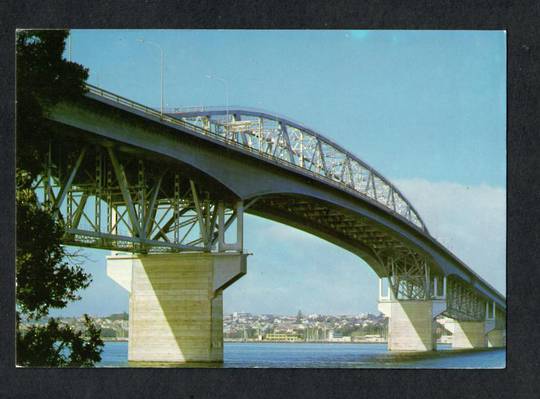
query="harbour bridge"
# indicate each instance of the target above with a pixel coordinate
(167, 193)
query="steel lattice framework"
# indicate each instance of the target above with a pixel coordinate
(289, 142)
(464, 304)
(112, 201)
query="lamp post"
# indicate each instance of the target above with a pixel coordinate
(161, 69)
(226, 94)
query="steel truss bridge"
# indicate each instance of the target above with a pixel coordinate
(123, 176)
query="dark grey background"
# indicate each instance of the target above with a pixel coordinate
(519, 380)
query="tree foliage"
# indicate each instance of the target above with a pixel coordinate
(59, 345)
(46, 277)
(46, 274)
(44, 78)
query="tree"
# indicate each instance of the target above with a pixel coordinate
(299, 316)
(119, 316)
(46, 274)
(45, 279)
(57, 345)
(107, 332)
(44, 77)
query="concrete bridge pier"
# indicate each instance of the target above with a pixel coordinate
(477, 335)
(469, 335)
(411, 323)
(496, 338)
(488, 333)
(175, 303)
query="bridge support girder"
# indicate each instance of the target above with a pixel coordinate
(478, 334)
(496, 338)
(110, 199)
(469, 334)
(412, 302)
(415, 295)
(411, 323)
(176, 303)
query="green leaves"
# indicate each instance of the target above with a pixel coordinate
(45, 278)
(43, 79)
(47, 275)
(59, 345)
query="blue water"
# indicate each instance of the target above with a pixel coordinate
(312, 355)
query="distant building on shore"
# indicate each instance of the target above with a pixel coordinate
(282, 337)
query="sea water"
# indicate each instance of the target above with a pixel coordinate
(330, 355)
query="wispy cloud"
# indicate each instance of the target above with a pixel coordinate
(468, 220)
(291, 269)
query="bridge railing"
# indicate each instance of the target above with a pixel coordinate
(413, 221)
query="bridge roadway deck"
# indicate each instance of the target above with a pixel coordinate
(285, 193)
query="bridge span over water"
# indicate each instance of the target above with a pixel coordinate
(169, 189)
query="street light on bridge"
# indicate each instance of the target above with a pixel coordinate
(161, 69)
(226, 94)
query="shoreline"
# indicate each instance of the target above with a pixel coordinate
(280, 342)
(302, 342)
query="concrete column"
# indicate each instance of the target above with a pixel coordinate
(411, 323)
(478, 334)
(176, 303)
(495, 332)
(469, 334)
(496, 339)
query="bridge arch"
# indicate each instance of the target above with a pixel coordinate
(293, 144)
(249, 174)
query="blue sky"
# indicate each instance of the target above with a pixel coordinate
(427, 109)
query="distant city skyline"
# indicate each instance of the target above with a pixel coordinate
(305, 314)
(245, 326)
(425, 108)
